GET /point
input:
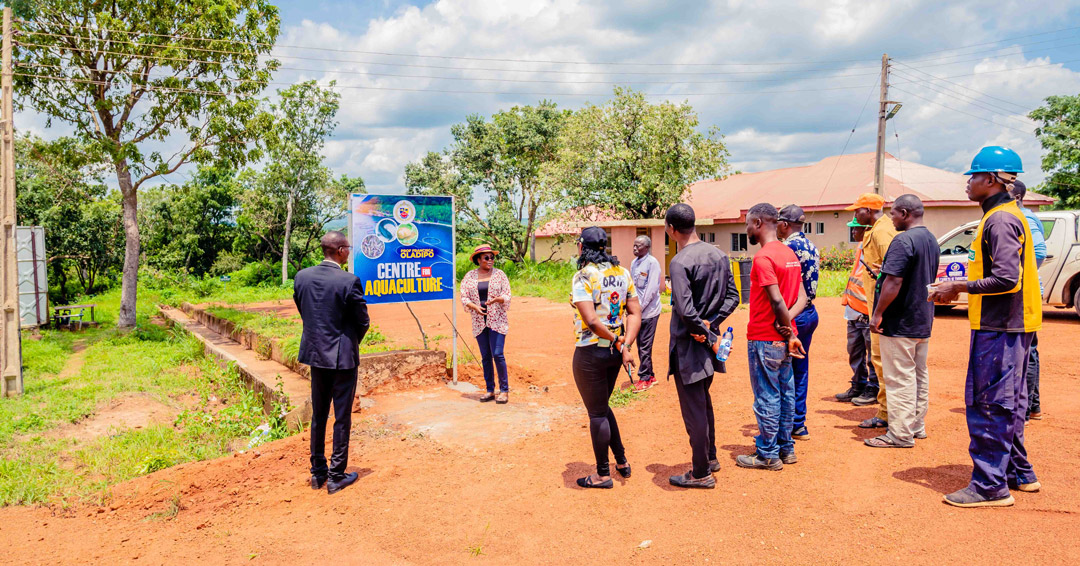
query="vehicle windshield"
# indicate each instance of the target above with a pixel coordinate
(959, 243)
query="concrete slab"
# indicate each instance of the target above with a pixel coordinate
(458, 419)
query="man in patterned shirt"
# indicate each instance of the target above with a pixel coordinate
(789, 230)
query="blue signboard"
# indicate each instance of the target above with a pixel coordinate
(403, 247)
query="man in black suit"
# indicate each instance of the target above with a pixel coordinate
(703, 295)
(332, 306)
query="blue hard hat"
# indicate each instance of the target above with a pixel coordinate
(996, 159)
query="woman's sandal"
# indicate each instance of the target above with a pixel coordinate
(623, 471)
(587, 482)
(489, 396)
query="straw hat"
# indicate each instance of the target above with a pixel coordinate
(482, 248)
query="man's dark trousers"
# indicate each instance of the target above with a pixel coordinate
(1032, 374)
(697, 413)
(858, 347)
(644, 343)
(996, 399)
(339, 386)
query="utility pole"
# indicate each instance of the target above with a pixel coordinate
(879, 163)
(11, 383)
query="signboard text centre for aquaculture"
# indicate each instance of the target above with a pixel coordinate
(403, 247)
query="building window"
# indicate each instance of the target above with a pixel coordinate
(807, 228)
(701, 236)
(642, 231)
(738, 242)
(712, 237)
(820, 227)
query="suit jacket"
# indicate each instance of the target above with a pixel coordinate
(332, 306)
(703, 295)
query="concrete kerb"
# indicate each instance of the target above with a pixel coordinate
(378, 372)
(290, 394)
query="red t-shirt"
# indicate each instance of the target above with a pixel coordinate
(774, 264)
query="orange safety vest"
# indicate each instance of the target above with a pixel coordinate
(854, 293)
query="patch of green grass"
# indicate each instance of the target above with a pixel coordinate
(832, 283)
(624, 396)
(150, 360)
(550, 279)
(287, 330)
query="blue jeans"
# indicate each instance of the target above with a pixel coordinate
(774, 396)
(491, 350)
(806, 322)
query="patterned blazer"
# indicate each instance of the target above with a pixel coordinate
(498, 286)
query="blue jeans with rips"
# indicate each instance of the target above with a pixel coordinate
(773, 383)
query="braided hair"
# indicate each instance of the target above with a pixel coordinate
(595, 255)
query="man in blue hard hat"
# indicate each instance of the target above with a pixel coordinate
(1005, 311)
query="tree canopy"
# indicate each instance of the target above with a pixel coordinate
(1059, 134)
(496, 162)
(633, 159)
(153, 85)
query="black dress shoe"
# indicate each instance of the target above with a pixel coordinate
(317, 482)
(336, 486)
(850, 394)
(868, 397)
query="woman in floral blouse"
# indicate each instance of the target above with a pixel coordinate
(485, 292)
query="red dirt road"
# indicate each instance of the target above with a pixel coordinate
(424, 502)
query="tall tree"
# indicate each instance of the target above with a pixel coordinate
(1059, 133)
(303, 119)
(128, 74)
(631, 158)
(497, 162)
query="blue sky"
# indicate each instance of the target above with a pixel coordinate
(998, 61)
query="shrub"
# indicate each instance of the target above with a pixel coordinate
(837, 259)
(255, 274)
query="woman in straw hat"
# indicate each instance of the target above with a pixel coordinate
(485, 292)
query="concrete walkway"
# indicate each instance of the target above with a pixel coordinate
(262, 375)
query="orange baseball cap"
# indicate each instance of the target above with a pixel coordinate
(868, 200)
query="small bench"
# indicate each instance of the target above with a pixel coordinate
(68, 315)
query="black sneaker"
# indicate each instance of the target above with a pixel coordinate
(756, 462)
(850, 394)
(789, 457)
(868, 397)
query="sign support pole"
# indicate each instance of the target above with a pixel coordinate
(453, 263)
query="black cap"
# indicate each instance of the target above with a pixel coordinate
(593, 237)
(791, 213)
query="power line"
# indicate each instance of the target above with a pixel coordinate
(960, 111)
(937, 78)
(545, 61)
(477, 79)
(104, 83)
(967, 99)
(448, 91)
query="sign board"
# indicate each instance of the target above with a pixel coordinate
(403, 247)
(33, 281)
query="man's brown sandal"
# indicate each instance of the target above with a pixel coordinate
(503, 398)
(489, 396)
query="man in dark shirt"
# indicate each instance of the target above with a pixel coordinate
(1005, 311)
(903, 317)
(332, 306)
(703, 295)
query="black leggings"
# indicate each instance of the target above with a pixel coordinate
(596, 370)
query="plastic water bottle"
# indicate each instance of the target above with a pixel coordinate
(725, 345)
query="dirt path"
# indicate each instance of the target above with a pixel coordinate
(424, 501)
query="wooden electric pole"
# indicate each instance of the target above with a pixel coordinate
(879, 163)
(11, 383)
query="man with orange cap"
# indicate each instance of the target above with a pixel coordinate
(868, 211)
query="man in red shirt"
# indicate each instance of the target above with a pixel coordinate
(776, 297)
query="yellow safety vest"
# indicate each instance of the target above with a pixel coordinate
(1027, 284)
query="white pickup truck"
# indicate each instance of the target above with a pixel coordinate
(1060, 271)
